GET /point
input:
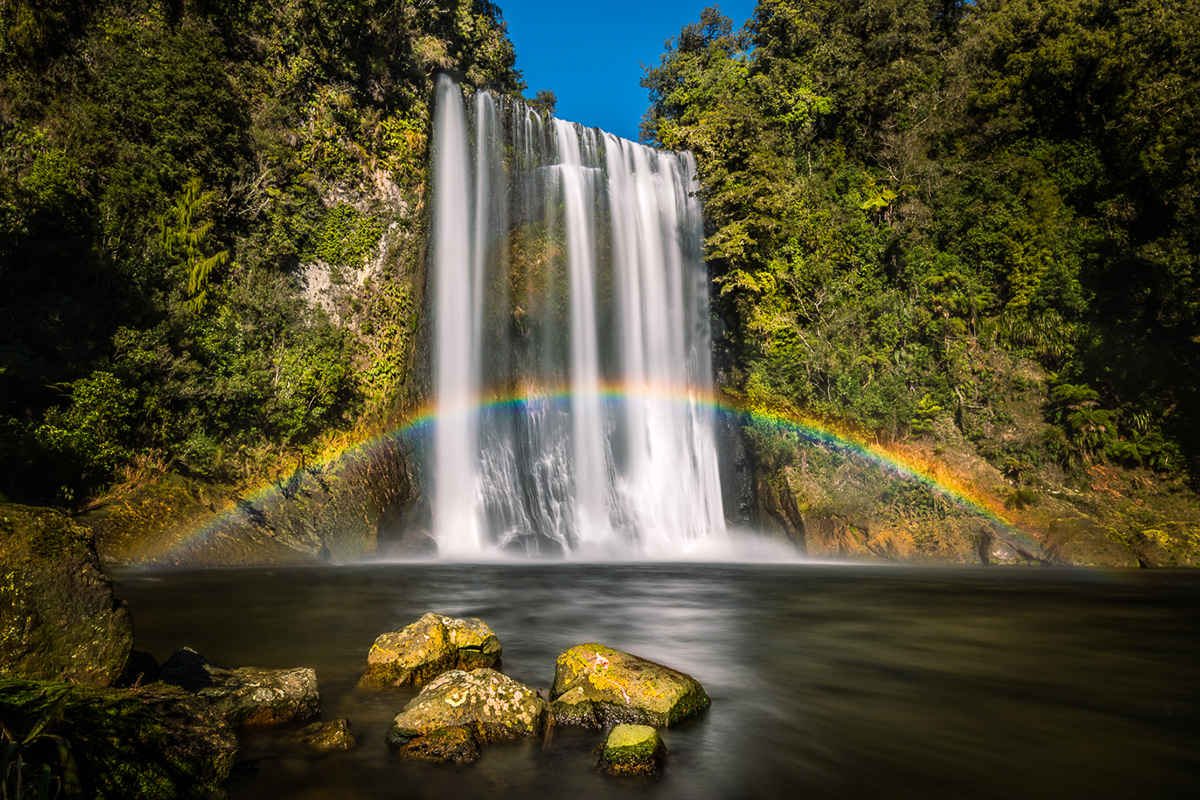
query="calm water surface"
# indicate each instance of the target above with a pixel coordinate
(827, 681)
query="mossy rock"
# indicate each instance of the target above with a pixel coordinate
(456, 745)
(58, 618)
(489, 706)
(429, 647)
(325, 737)
(632, 750)
(153, 743)
(598, 686)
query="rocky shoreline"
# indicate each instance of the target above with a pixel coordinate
(129, 727)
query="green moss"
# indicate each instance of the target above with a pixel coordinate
(632, 750)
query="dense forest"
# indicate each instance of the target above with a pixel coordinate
(907, 200)
(927, 223)
(211, 226)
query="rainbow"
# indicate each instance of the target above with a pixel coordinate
(892, 460)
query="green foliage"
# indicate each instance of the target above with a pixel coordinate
(915, 500)
(183, 235)
(163, 169)
(118, 746)
(343, 237)
(92, 430)
(1020, 499)
(774, 445)
(56, 774)
(261, 368)
(897, 191)
(544, 102)
(927, 413)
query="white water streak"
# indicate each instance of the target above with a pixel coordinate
(455, 445)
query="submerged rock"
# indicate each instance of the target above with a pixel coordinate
(153, 743)
(325, 736)
(457, 745)
(248, 697)
(632, 750)
(428, 647)
(461, 710)
(58, 618)
(598, 686)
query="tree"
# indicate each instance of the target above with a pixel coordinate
(184, 235)
(544, 102)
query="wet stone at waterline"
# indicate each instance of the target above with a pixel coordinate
(598, 686)
(248, 697)
(460, 710)
(325, 737)
(632, 750)
(427, 648)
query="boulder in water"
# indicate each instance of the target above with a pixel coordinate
(632, 750)
(598, 686)
(58, 618)
(325, 737)
(460, 710)
(428, 647)
(248, 697)
(457, 745)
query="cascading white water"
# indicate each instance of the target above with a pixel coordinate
(456, 517)
(571, 351)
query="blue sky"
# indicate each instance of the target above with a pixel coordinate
(590, 54)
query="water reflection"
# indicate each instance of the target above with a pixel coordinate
(827, 682)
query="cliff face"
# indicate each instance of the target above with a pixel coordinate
(960, 507)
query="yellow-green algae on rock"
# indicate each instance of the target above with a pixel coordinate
(598, 686)
(427, 648)
(632, 750)
(459, 710)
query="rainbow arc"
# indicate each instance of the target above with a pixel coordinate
(893, 461)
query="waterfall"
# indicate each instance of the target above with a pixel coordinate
(571, 341)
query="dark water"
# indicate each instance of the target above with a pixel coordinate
(827, 681)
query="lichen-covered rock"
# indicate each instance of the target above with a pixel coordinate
(598, 686)
(249, 697)
(489, 706)
(153, 743)
(632, 750)
(428, 647)
(58, 618)
(325, 737)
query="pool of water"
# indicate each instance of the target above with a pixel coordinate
(827, 681)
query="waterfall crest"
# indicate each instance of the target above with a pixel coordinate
(571, 341)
